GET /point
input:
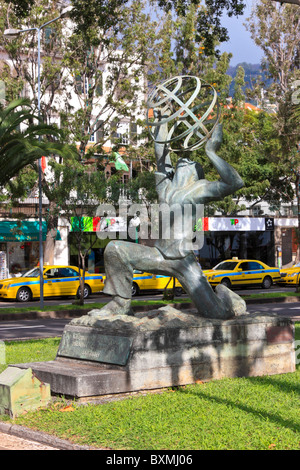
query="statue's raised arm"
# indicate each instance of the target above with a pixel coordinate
(230, 179)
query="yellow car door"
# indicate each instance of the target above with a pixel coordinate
(52, 284)
(67, 281)
(251, 273)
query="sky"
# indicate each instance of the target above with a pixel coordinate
(240, 44)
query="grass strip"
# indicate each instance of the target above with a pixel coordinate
(257, 413)
(88, 306)
(271, 295)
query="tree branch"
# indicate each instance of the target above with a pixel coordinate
(292, 2)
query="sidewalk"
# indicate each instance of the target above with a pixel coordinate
(10, 442)
(15, 437)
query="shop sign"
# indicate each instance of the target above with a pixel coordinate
(98, 224)
(21, 231)
(237, 224)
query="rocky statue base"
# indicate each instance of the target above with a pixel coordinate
(162, 348)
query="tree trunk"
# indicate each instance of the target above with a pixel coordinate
(82, 279)
(52, 224)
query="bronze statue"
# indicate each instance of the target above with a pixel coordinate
(173, 256)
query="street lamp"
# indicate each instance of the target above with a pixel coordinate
(12, 34)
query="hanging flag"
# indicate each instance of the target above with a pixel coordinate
(119, 162)
(44, 164)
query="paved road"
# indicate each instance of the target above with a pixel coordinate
(291, 310)
(30, 329)
(24, 329)
(104, 298)
(52, 327)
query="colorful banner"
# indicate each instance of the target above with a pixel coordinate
(98, 224)
(236, 224)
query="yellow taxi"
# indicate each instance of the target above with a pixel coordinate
(290, 276)
(145, 281)
(244, 272)
(58, 281)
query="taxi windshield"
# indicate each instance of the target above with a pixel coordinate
(35, 272)
(225, 266)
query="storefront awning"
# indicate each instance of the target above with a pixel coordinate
(22, 231)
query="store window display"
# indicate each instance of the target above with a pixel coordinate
(21, 256)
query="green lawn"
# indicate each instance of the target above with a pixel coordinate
(241, 413)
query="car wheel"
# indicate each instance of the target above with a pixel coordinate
(135, 289)
(226, 282)
(267, 282)
(86, 292)
(24, 294)
(178, 291)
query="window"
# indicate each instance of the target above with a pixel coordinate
(253, 266)
(49, 35)
(133, 132)
(250, 266)
(78, 84)
(67, 272)
(257, 211)
(244, 266)
(35, 272)
(55, 273)
(99, 131)
(81, 85)
(120, 132)
(51, 273)
(99, 86)
(92, 137)
(226, 265)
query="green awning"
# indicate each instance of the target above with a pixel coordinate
(22, 231)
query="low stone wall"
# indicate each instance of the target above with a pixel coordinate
(165, 347)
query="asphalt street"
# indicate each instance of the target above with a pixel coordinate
(52, 327)
(104, 298)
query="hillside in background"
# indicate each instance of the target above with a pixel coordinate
(253, 72)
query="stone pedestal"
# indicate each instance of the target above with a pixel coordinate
(21, 391)
(162, 348)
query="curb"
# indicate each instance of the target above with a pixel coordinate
(288, 299)
(41, 437)
(34, 315)
(72, 313)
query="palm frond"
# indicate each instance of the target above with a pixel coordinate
(22, 141)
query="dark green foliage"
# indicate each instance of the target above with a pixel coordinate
(20, 147)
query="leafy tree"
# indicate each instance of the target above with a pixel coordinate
(77, 197)
(22, 142)
(276, 29)
(21, 79)
(74, 62)
(209, 23)
(107, 64)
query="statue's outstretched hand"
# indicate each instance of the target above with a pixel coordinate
(214, 142)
